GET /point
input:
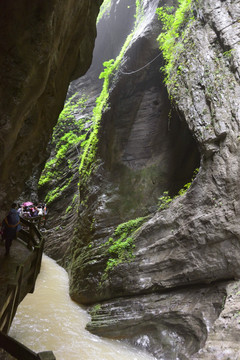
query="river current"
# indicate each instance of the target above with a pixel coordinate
(49, 320)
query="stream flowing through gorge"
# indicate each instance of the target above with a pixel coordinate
(49, 320)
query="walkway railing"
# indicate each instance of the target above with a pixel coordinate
(9, 308)
(20, 351)
(25, 279)
(32, 238)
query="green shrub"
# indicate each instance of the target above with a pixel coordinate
(165, 200)
(56, 192)
(67, 133)
(171, 39)
(106, 5)
(121, 244)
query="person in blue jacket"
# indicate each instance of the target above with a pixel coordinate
(10, 227)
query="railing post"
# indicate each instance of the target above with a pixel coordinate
(20, 351)
(12, 301)
(16, 296)
(31, 232)
(46, 355)
(6, 308)
(35, 242)
(39, 251)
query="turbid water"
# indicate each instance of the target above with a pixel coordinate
(49, 320)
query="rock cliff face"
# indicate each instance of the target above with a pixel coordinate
(157, 276)
(165, 292)
(144, 150)
(44, 45)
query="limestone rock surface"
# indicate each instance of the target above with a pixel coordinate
(222, 341)
(142, 151)
(183, 272)
(193, 242)
(44, 45)
(157, 322)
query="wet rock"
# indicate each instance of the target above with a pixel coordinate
(194, 242)
(222, 342)
(142, 150)
(196, 239)
(43, 47)
(157, 323)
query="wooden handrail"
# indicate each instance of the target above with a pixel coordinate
(20, 351)
(36, 220)
(33, 230)
(35, 242)
(10, 306)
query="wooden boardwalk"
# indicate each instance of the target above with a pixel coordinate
(9, 264)
(18, 273)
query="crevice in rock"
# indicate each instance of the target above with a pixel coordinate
(143, 140)
(184, 155)
(156, 323)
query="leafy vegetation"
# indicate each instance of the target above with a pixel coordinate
(88, 164)
(171, 40)
(67, 133)
(227, 54)
(103, 9)
(165, 200)
(95, 309)
(56, 192)
(67, 118)
(121, 245)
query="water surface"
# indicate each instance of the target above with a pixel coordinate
(49, 320)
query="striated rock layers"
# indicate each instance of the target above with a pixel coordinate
(167, 292)
(44, 45)
(143, 150)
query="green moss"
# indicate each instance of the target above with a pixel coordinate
(171, 40)
(121, 244)
(95, 309)
(165, 200)
(68, 209)
(74, 199)
(64, 139)
(56, 192)
(105, 7)
(228, 54)
(88, 160)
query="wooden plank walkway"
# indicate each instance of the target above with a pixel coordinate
(18, 273)
(19, 254)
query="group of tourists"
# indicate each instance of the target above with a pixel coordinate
(11, 223)
(29, 210)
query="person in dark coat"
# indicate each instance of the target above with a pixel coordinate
(10, 227)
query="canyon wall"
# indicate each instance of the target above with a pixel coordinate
(156, 260)
(158, 277)
(44, 45)
(144, 146)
